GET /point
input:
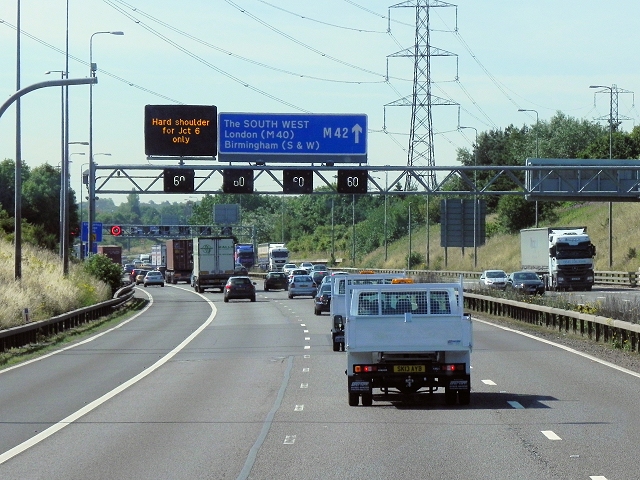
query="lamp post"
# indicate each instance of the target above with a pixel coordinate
(92, 193)
(386, 191)
(537, 154)
(353, 223)
(610, 158)
(475, 198)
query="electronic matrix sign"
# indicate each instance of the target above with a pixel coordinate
(181, 130)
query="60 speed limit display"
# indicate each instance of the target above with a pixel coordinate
(297, 181)
(352, 181)
(178, 180)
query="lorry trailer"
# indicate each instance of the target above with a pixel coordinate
(179, 255)
(213, 262)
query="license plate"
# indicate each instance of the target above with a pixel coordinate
(409, 368)
(575, 279)
(339, 338)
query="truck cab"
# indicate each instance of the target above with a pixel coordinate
(340, 301)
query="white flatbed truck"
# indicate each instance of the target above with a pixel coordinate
(406, 339)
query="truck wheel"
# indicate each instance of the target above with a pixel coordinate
(200, 289)
(464, 396)
(336, 347)
(253, 299)
(290, 296)
(266, 289)
(226, 300)
(316, 311)
(450, 396)
(367, 399)
(354, 399)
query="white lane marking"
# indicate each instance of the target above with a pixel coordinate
(305, 369)
(304, 385)
(9, 454)
(550, 435)
(307, 338)
(570, 350)
(298, 408)
(307, 356)
(489, 382)
(289, 440)
(307, 347)
(598, 477)
(516, 405)
(305, 331)
(302, 325)
(83, 342)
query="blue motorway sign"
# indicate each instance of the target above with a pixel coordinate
(295, 138)
(97, 232)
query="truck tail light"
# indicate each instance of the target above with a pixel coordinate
(364, 368)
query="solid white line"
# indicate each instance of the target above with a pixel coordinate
(570, 350)
(516, 405)
(598, 477)
(550, 435)
(489, 382)
(298, 408)
(304, 385)
(85, 341)
(9, 454)
(305, 369)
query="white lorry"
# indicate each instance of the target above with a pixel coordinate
(340, 301)
(272, 256)
(562, 255)
(213, 262)
(405, 337)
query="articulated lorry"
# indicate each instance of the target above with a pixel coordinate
(563, 256)
(179, 255)
(213, 262)
(245, 254)
(406, 339)
(340, 301)
(272, 256)
(114, 252)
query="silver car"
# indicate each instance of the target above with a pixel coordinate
(494, 279)
(300, 285)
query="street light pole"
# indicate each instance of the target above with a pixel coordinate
(62, 158)
(610, 158)
(537, 154)
(409, 256)
(92, 173)
(386, 192)
(475, 198)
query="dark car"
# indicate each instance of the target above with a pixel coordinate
(525, 282)
(240, 269)
(240, 287)
(276, 281)
(318, 276)
(322, 300)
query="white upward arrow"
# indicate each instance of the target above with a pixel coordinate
(357, 129)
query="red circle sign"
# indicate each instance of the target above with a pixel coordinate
(116, 230)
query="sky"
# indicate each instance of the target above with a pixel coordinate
(304, 56)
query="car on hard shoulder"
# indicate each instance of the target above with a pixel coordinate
(306, 266)
(275, 281)
(494, 279)
(301, 285)
(322, 300)
(288, 267)
(525, 282)
(238, 288)
(153, 277)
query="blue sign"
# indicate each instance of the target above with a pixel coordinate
(324, 138)
(97, 231)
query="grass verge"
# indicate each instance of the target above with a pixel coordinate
(46, 345)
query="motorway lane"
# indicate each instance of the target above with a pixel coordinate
(259, 394)
(196, 417)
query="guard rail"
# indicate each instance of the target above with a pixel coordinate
(32, 332)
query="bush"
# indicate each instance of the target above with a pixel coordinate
(101, 267)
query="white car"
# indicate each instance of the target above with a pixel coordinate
(494, 279)
(306, 266)
(288, 268)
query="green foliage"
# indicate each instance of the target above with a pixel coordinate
(101, 267)
(415, 260)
